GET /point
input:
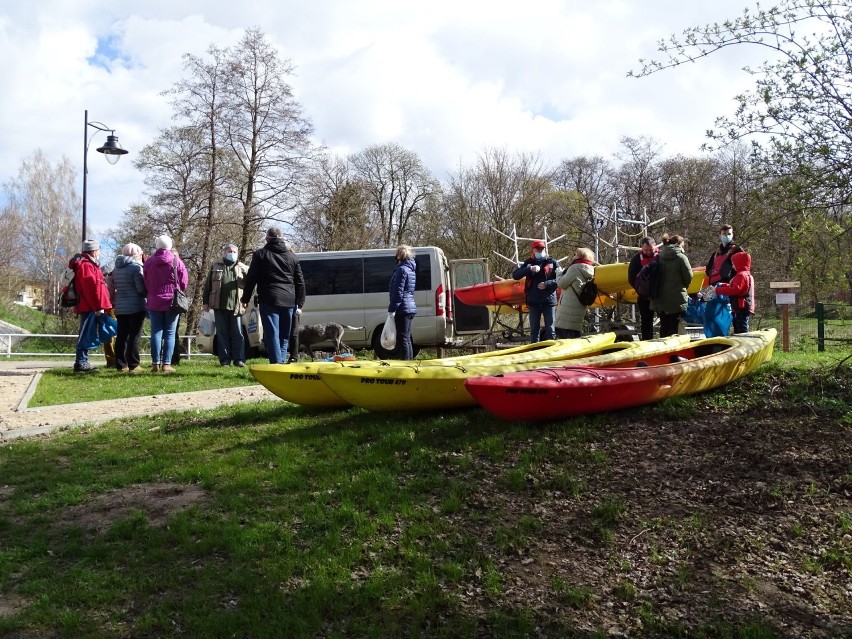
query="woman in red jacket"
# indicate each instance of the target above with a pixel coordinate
(741, 291)
(93, 296)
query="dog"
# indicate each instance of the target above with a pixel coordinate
(311, 334)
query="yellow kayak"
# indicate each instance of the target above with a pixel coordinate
(300, 382)
(612, 281)
(409, 386)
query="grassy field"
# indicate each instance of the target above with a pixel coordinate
(723, 515)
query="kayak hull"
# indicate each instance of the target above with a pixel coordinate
(560, 392)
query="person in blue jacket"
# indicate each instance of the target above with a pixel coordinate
(401, 291)
(540, 288)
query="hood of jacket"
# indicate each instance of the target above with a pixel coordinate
(124, 260)
(409, 263)
(276, 245)
(741, 261)
(670, 252)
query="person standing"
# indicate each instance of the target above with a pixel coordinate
(741, 291)
(127, 289)
(164, 271)
(540, 290)
(276, 273)
(719, 267)
(403, 282)
(570, 311)
(222, 292)
(675, 276)
(93, 298)
(647, 252)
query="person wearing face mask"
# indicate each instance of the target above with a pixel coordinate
(222, 292)
(540, 289)
(647, 252)
(719, 266)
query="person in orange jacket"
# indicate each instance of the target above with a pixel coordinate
(741, 291)
(93, 296)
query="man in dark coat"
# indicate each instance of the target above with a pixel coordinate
(275, 271)
(647, 252)
(540, 273)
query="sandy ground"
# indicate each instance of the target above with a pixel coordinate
(19, 379)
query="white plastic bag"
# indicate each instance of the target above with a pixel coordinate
(389, 333)
(207, 324)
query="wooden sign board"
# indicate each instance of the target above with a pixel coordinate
(785, 285)
(785, 298)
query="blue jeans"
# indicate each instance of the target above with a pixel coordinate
(81, 355)
(229, 336)
(163, 328)
(404, 349)
(277, 323)
(536, 312)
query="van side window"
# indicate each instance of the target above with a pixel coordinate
(341, 276)
(378, 271)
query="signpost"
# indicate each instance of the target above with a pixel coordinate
(783, 299)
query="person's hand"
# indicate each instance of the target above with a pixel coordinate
(298, 311)
(100, 312)
(535, 268)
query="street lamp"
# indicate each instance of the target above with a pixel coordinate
(112, 152)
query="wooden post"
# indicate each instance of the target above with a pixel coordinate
(784, 298)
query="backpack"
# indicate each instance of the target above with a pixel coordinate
(648, 280)
(588, 293)
(68, 297)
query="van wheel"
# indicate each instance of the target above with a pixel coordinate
(380, 351)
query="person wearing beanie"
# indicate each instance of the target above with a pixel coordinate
(275, 271)
(127, 290)
(93, 297)
(222, 292)
(163, 272)
(539, 270)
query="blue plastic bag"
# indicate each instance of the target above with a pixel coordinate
(88, 337)
(717, 317)
(107, 328)
(694, 311)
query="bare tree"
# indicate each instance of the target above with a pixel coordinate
(11, 248)
(268, 136)
(401, 191)
(333, 215)
(45, 198)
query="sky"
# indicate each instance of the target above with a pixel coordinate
(446, 79)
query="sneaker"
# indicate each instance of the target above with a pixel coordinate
(84, 368)
(138, 369)
(155, 368)
(240, 364)
(223, 364)
(165, 368)
(122, 370)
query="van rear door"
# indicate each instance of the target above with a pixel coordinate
(469, 319)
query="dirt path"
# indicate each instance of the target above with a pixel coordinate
(19, 379)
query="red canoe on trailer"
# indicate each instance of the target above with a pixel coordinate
(565, 391)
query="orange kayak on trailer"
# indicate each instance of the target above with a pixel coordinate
(610, 278)
(565, 391)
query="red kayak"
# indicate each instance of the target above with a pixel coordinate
(507, 292)
(566, 391)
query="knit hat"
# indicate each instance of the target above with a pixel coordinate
(91, 245)
(163, 242)
(131, 250)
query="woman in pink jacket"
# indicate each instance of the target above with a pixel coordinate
(164, 271)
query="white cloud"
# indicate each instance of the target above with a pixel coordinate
(446, 79)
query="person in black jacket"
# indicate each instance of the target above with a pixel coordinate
(275, 271)
(647, 252)
(540, 286)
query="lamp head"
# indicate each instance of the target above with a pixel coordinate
(112, 149)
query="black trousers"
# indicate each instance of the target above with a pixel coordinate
(646, 317)
(127, 336)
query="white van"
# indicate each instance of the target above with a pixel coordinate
(351, 288)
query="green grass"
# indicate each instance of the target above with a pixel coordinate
(307, 523)
(62, 385)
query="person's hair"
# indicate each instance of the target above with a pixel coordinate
(726, 227)
(585, 254)
(647, 240)
(404, 252)
(273, 232)
(675, 240)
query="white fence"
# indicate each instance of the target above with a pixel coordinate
(8, 340)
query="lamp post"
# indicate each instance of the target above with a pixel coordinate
(112, 152)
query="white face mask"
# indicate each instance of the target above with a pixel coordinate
(540, 254)
(230, 257)
(726, 239)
